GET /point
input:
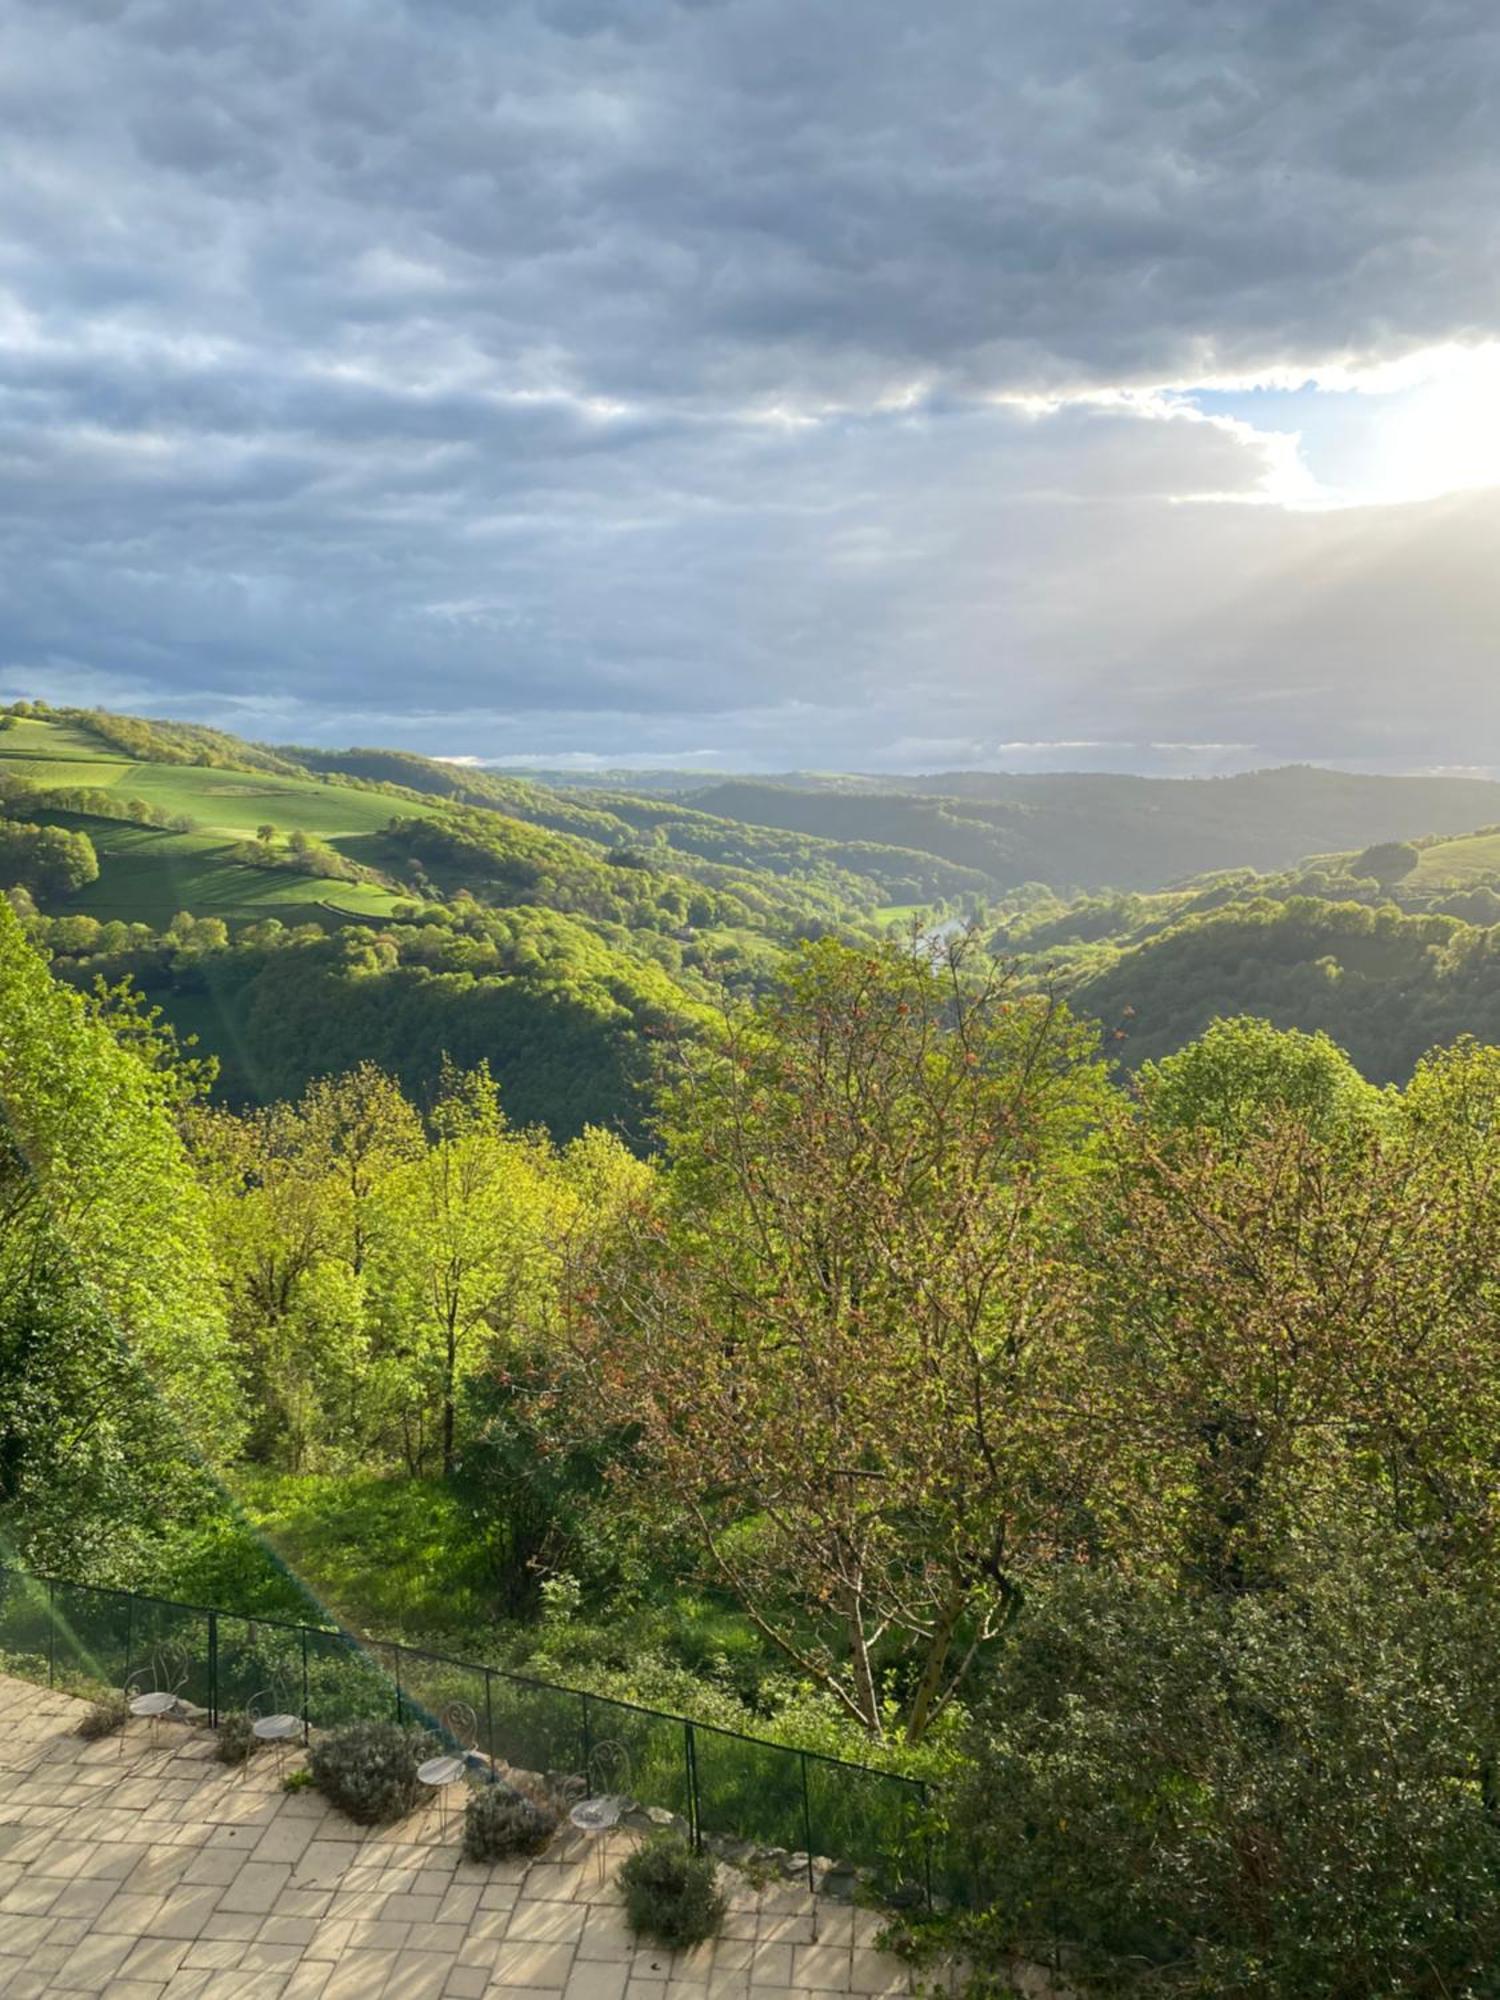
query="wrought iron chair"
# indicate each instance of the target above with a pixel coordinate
(608, 1779)
(460, 1725)
(151, 1691)
(271, 1723)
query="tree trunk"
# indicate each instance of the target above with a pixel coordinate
(864, 1678)
(449, 1370)
(938, 1649)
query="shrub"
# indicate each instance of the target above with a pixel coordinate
(500, 1822)
(105, 1717)
(1278, 1795)
(671, 1893)
(369, 1770)
(236, 1739)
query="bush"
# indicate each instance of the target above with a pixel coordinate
(1278, 1795)
(499, 1822)
(106, 1717)
(369, 1770)
(671, 1893)
(236, 1739)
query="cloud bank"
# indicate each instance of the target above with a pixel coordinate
(761, 382)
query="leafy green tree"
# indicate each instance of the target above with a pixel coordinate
(1388, 861)
(1241, 1075)
(113, 1354)
(1273, 1796)
(844, 1335)
(465, 1252)
(48, 861)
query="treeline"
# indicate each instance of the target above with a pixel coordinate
(507, 860)
(92, 801)
(154, 742)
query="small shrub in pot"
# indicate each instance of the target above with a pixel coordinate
(499, 1822)
(106, 1717)
(369, 1770)
(672, 1893)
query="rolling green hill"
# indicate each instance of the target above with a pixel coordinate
(402, 908)
(1090, 831)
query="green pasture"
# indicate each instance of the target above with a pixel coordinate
(1457, 864)
(146, 874)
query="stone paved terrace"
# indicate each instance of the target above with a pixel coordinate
(157, 1874)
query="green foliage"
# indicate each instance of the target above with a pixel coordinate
(671, 1894)
(1388, 861)
(235, 1739)
(112, 1341)
(106, 1717)
(369, 1770)
(47, 861)
(499, 1823)
(300, 1780)
(852, 1233)
(1240, 1074)
(1265, 1797)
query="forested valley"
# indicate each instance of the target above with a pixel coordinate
(1042, 1340)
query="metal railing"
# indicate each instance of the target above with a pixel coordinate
(716, 1780)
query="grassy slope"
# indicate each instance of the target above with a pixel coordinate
(147, 875)
(1457, 864)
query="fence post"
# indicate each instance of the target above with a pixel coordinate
(588, 1744)
(806, 1819)
(695, 1810)
(51, 1632)
(129, 1638)
(303, 1630)
(396, 1669)
(489, 1717)
(213, 1669)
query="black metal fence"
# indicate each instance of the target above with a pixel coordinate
(88, 1637)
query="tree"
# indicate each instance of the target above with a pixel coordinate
(1241, 1074)
(113, 1355)
(843, 1334)
(466, 1249)
(296, 1191)
(47, 860)
(1389, 861)
(1298, 1313)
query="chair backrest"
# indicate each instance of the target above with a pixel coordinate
(166, 1672)
(269, 1701)
(608, 1769)
(459, 1723)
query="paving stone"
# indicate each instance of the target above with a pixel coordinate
(174, 1879)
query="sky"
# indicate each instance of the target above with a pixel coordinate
(760, 384)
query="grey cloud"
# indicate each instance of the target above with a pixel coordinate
(353, 358)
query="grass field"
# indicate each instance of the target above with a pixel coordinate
(147, 875)
(1457, 864)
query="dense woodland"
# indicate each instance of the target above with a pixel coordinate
(1120, 1458)
(1017, 1345)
